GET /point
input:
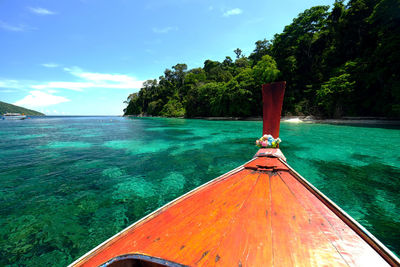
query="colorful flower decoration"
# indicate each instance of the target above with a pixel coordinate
(267, 141)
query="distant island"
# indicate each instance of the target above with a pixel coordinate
(337, 62)
(9, 108)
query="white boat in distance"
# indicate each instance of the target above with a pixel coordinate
(13, 116)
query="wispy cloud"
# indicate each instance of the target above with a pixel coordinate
(25, 85)
(74, 86)
(40, 99)
(232, 12)
(81, 80)
(165, 29)
(106, 80)
(149, 51)
(41, 11)
(156, 41)
(50, 65)
(13, 28)
(6, 91)
(11, 84)
(91, 80)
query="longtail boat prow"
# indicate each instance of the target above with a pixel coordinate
(262, 213)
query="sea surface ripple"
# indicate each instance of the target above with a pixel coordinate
(69, 183)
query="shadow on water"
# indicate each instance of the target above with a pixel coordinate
(62, 192)
(368, 193)
(394, 125)
(363, 157)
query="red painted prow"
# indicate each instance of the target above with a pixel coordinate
(272, 107)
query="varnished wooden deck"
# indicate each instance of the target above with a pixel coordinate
(260, 215)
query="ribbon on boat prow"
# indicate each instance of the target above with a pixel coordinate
(272, 94)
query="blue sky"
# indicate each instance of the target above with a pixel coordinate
(84, 57)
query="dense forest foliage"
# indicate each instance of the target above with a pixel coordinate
(339, 61)
(9, 108)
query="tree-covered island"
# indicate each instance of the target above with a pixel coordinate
(9, 108)
(343, 61)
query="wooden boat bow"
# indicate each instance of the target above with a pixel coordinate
(262, 213)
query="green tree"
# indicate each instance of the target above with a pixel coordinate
(334, 93)
(239, 104)
(263, 47)
(297, 52)
(173, 108)
(265, 71)
(216, 72)
(134, 107)
(238, 52)
(327, 58)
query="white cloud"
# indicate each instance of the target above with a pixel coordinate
(92, 80)
(41, 11)
(74, 86)
(106, 80)
(13, 28)
(81, 80)
(50, 65)
(165, 29)
(232, 12)
(14, 84)
(40, 99)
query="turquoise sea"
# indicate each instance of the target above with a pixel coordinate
(67, 184)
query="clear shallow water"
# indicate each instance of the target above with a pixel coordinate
(67, 184)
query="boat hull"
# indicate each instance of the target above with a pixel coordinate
(260, 214)
(17, 117)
